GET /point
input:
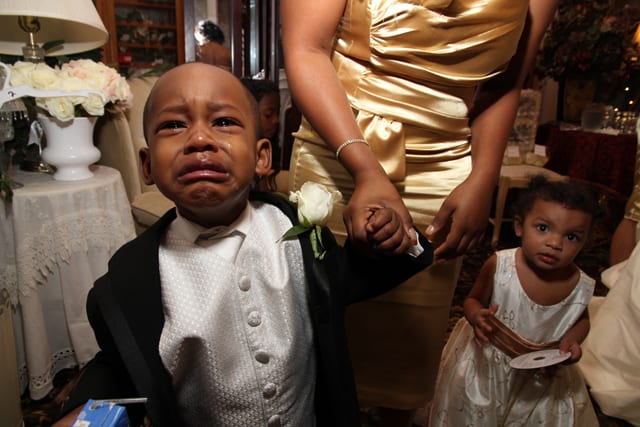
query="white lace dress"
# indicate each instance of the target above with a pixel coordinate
(477, 387)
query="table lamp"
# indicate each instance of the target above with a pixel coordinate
(74, 22)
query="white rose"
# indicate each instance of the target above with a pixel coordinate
(315, 203)
(45, 77)
(39, 76)
(59, 107)
(93, 105)
(21, 72)
(123, 93)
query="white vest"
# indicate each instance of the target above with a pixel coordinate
(237, 337)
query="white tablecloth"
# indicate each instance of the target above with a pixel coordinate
(57, 238)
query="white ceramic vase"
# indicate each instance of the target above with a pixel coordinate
(70, 147)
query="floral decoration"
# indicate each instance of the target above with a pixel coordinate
(75, 75)
(315, 204)
(592, 39)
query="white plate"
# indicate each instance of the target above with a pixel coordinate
(539, 359)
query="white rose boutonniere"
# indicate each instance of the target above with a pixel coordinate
(315, 204)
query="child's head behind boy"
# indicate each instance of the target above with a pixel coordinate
(267, 93)
(201, 127)
(553, 220)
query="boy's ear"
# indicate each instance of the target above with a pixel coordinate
(145, 163)
(263, 157)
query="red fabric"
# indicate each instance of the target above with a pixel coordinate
(603, 159)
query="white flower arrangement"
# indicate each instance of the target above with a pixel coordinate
(315, 204)
(110, 90)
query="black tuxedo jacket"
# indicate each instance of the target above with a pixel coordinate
(126, 313)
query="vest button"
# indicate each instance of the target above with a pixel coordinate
(244, 284)
(274, 421)
(262, 356)
(254, 319)
(269, 390)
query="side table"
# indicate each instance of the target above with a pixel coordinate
(57, 238)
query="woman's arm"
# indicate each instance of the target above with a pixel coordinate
(623, 241)
(308, 31)
(466, 210)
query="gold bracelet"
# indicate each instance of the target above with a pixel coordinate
(349, 142)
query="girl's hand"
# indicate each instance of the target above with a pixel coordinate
(460, 223)
(565, 346)
(574, 348)
(374, 191)
(481, 328)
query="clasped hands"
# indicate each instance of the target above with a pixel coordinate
(457, 227)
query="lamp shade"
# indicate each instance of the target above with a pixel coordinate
(76, 22)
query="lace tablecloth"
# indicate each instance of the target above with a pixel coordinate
(57, 238)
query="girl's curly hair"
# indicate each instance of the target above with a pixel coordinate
(571, 194)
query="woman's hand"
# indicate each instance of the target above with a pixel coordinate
(373, 191)
(462, 219)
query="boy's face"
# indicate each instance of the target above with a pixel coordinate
(203, 150)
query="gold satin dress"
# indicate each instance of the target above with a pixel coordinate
(410, 69)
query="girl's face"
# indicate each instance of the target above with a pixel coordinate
(552, 235)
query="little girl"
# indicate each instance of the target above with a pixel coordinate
(524, 299)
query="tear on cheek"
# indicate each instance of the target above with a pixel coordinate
(224, 146)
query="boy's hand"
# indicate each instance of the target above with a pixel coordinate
(68, 420)
(386, 234)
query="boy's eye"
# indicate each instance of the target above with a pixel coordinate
(225, 122)
(172, 124)
(542, 227)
